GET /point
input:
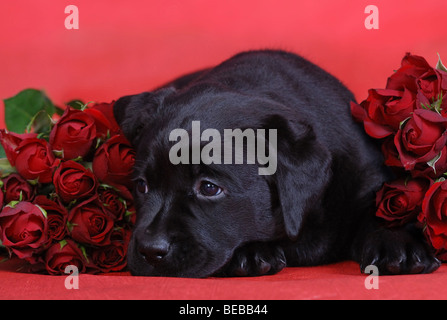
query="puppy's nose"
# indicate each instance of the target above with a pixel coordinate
(155, 251)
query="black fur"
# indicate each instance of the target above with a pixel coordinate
(317, 208)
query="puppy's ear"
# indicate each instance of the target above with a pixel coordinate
(303, 171)
(132, 113)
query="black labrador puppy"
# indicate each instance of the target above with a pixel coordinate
(254, 165)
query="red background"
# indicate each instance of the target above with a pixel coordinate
(125, 47)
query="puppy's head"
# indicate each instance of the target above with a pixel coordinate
(192, 217)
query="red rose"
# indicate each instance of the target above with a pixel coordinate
(10, 141)
(390, 152)
(91, 223)
(56, 217)
(17, 188)
(72, 181)
(400, 201)
(440, 166)
(62, 254)
(418, 76)
(113, 202)
(74, 134)
(113, 256)
(106, 125)
(384, 110)
(434, 217)
(113, 162)
(23, 229)
(35, 160)
(412, 67)
(422, 138)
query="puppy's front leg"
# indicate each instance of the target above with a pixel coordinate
(255, 259)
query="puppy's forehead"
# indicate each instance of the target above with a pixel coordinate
(215, 110)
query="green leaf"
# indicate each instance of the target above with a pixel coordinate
(403, 122)
(432, 163)
(439, 65)
(70, 226)
(5, 167)
(84, 252)
(2, 152)
(12, 204)
(78, 104)
(63, 243)
(75, 104)
(21, 109)
(44, 212)
(41, 122)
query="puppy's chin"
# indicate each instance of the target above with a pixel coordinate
(138, 266)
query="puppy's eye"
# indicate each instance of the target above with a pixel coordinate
(141, 186)
(209, 189)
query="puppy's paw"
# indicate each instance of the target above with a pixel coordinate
(256, 259)
(397, 251)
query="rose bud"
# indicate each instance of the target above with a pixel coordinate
(35, 160)
(384, 110)
(72, 181)
(74, 134)
(17, 188)
(421, 138)
(56, 217)
(91, 223)
(399, 201)
(113, 161)
(10, 141)
(62, 254)
(434, 218)
(106, 124)
(23, 229)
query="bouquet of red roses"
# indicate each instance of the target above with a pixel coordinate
(65, 184)
(409, 117)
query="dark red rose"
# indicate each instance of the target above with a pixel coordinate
(390, 153)
(384, 110)
(35, 160)
(91, 223)
(72, 181)
(113, 162)
(17, 188)
(113, 202)
(74, 134)
(430, 85)
(23, 229)
(106, 125)
(433, 171)
(421, 138)
(10, 141)
(434, 218)
(113, 256)
(400, 201)
(412, 67)
(416, 75)
(62, 254)
(56, 217)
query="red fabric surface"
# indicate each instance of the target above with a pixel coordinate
(337, 281)
(125, 47)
